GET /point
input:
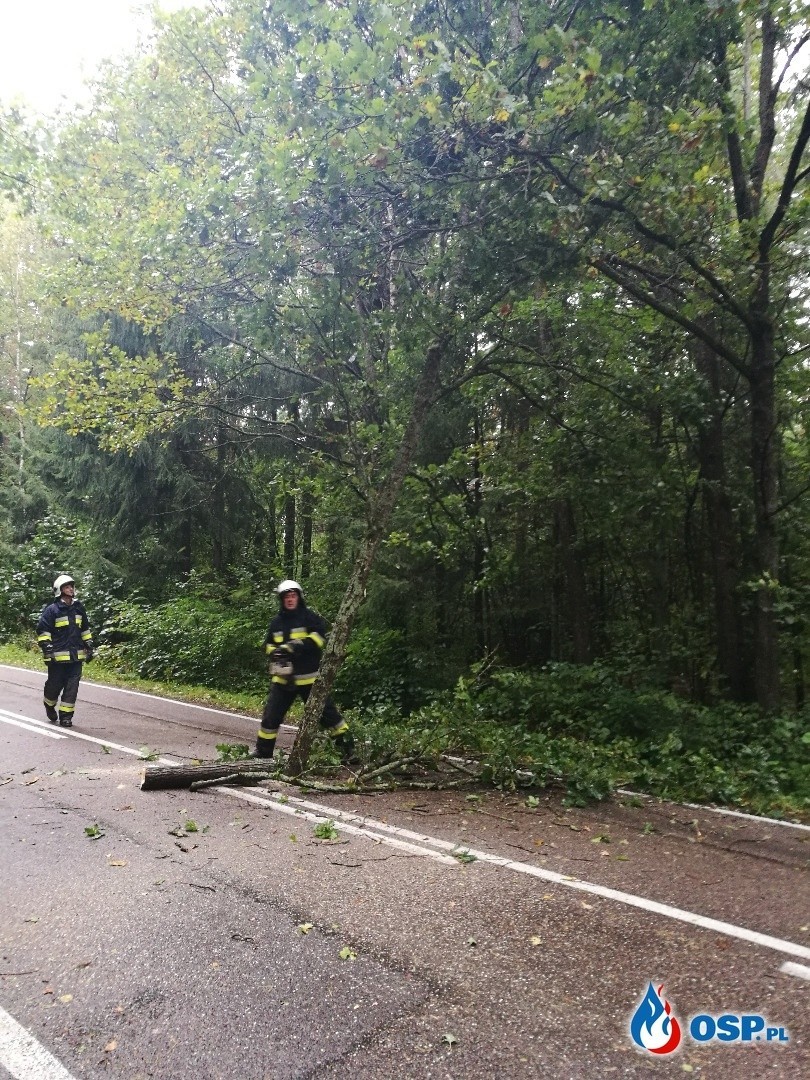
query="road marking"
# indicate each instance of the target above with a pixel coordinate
(799, 970)
(41, 728)
(354, 830)
(172, 701)
(25, 1058)
(720, 810)
(25, 722)
(341, 818)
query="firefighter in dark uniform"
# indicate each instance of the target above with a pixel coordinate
(297, 635)
(63, 634)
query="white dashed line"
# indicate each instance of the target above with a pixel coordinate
(41, 727)
(23, 1057)
(25, 722)
(799, 970)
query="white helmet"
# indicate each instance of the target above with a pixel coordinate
(287, 585)
(63, 579)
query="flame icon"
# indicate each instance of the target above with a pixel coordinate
(652, 1025)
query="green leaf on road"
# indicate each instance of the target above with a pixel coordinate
(326, 831)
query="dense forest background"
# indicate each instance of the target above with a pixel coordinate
(485, 320)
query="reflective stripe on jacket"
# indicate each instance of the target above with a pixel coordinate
(302, 625)
(64, 627)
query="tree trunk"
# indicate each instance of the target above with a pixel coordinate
(157, 777)
(218, 513)
(474, 516)
(722, 540)
(764, 463)
(570, 588)
(289, 535)
(380, 507)
(306, 534)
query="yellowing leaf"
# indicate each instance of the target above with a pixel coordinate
(111, 1045)
(305, 927)
(66, 998)
(117, 862)
(535, 940)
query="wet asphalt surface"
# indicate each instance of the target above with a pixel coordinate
(207, 935)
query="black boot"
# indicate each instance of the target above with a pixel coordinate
(52, 714)
(345, 745)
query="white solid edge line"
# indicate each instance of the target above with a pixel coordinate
(718, 810)
(354, 830)
(28, 725)
(158, 697)
(728, 929)
(799, 970)
(71, 733)
(25, 1058)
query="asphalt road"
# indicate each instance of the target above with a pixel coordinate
(188, 936)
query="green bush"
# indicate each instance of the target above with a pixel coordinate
(582, 728)
(374, 672)
(56, 547)
(192, 639)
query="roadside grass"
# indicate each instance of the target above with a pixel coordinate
(98, 671)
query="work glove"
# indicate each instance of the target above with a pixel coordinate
(288, 650)
(47, 655)
(88, 654)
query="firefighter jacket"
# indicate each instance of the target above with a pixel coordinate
(63, 632)
(305, 630)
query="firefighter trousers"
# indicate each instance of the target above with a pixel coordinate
(62, 681)
(278, 703)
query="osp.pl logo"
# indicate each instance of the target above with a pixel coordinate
(654, 1027)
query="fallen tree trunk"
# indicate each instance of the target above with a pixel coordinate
(155, 777)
